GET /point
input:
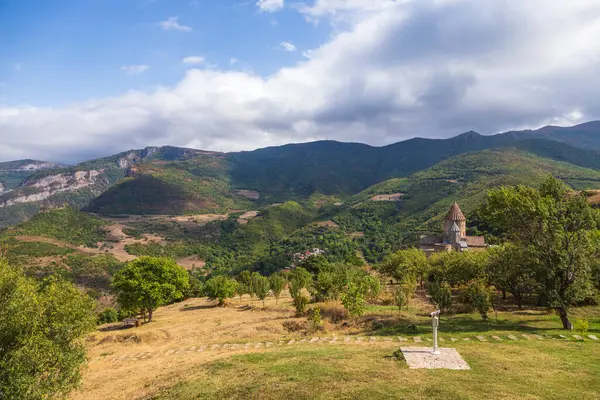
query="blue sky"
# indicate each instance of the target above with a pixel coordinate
(57, 52)
(88, 78)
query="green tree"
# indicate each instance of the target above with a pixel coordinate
(220, 288)
(479, 297)
(353, 300)
(441, 294)
(277, 283)
(108, 315)
(510, 270)
(42, 329)
(556, 232)
(150, 282)
(262, 287)
(400, 297)
(405, 266)
(245, 280)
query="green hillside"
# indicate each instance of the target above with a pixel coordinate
(428, 194)
(198, 185)
(64, 224)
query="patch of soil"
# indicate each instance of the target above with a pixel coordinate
(387, 197)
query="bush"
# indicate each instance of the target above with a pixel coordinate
(108, 316)
(300, 302)
(333, 311)
(582, 325)
(294, 326)
(314, 319)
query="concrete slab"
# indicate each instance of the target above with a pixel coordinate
(421, 357)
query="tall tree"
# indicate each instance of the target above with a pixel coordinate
(555, 230)
(277, 283)
(42, 330)
(509, 269)
(262, 287)
(150, 282)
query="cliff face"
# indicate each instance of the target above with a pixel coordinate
(34, 190)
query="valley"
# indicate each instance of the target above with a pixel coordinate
(326, 223)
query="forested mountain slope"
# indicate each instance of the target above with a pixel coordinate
(171, 180)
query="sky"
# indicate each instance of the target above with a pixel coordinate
(81, 79)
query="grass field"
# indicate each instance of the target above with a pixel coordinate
(194, 350)
(524, 370)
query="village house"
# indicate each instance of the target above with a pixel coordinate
(454, 237)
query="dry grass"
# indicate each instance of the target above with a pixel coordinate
(548, 369)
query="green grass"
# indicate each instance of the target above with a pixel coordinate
(507, 370)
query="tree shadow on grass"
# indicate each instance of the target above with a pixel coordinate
(456, 325)
(200, 307)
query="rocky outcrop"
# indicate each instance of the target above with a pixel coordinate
(40, 189)
(2, 188)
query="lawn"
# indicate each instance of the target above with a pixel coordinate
(547, 369)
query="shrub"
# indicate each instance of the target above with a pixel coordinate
(294, 326)
(333, 311)
(582, 325)
(314, 318)
(107, 316)
(300, 302)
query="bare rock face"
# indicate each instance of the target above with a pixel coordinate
(2, 188)
(42, 188)
(37, 166)
(135, 156)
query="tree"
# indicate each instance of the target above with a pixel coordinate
(220, 288)
(405, 266)
(555, 230)
(277, 283)
(245, 280)
(510, 270)
(353, 300)
(150, 282)
(441, 294)
(262, 287)
(42, 329)
(479, 297)
(400, 297)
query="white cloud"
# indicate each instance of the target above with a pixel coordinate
(172, 24)
(287, 46)
(134, 69)
(430, 68)
(193, 60)
(307, 54)
(270, 5)
(233, 61)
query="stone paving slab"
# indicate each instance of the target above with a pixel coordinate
(593, 337)
(421, 357)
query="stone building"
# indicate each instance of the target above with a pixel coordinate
(454, 236)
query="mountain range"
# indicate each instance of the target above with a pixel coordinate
(172, 180)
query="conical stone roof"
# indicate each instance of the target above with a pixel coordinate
(455, 214)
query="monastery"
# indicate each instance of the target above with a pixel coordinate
(454, 237)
